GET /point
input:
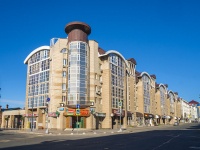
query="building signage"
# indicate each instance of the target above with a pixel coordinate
(52, 114)
(61, 109)
(84, 112)
(100, 114)
(72, 112)
(30, 115)
(116, 112)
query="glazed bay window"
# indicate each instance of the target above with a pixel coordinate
(117, 77)
(38, 79)
(77, 73)
(171, 96)
(162, 100)
(146, 93)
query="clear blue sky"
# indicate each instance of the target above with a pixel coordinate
(162, 35)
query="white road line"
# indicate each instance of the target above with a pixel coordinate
(166, 142)
(193, 147)
(3, 141)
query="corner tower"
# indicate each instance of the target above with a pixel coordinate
(78, 75)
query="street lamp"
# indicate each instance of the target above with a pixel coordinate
(47, 116)
(32, 108)
(120, 111)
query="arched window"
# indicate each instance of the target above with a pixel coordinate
(38, 78)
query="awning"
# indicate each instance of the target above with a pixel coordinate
(168, 117)
(138, 114)
(129, 114)
(157, 116)
(147, 115)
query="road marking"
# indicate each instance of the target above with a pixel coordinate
(166, 142)
(2, 141)
(193, 147)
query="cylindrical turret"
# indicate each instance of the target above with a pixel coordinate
(77, 31)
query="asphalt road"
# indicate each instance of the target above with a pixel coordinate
(183, 137)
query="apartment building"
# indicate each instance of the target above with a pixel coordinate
(75, 83)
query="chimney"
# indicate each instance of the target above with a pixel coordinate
(7, 106)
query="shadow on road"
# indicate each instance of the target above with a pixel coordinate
(174, 139)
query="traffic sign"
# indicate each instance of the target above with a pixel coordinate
(120, 104)
(48, 99)
(78, 106)
(77, 112)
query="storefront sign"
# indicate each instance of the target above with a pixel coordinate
(72, 112)
(30, 115)
(116, 112)
(52, 114)
(100, 114)
(61, 109)
(84, 112)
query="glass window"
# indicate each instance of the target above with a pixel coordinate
(116, 79)
(64, 73)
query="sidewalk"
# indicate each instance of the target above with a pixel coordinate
(80, 131)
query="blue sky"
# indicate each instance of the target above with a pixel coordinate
(162, 35)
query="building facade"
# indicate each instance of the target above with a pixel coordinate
(75, 83)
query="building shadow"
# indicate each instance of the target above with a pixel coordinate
(175, 139)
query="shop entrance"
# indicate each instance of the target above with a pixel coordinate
(75, 122)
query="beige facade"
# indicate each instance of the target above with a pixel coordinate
(76, 71)
(13, 118)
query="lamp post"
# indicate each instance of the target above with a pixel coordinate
(32, 108)
(47, 115)
(120, 111)
(77, 114)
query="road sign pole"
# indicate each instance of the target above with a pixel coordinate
(120, 111)
(77, 114)
(77, 123)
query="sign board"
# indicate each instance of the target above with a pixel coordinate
(120, 104)
(77, 112)
(61, 109)
(73, 112)
(78, 106)
(30, 115)
(48, 99)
